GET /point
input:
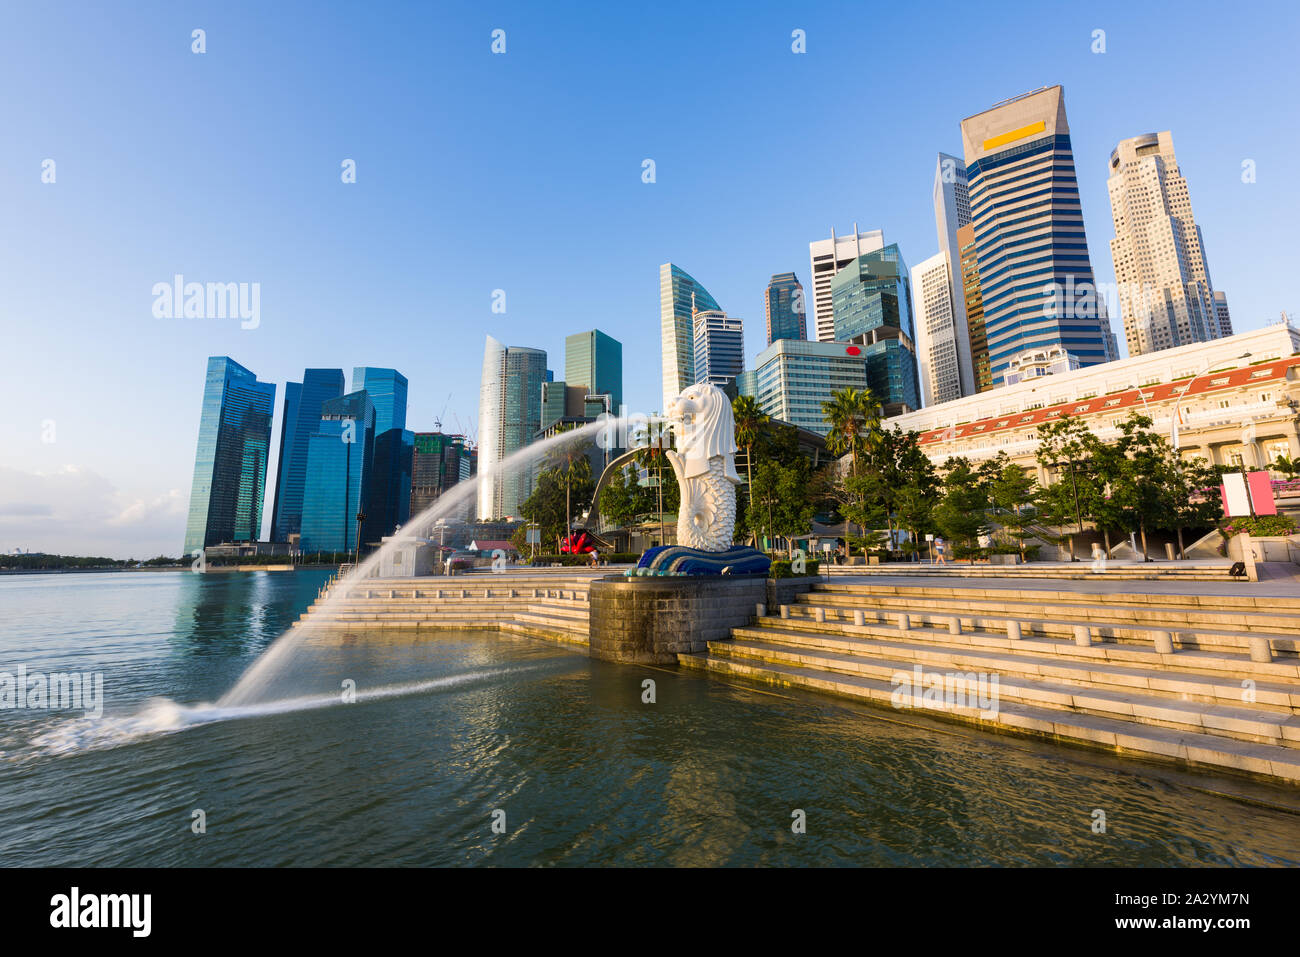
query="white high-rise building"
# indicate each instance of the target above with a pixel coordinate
(509, 416)
(951, 213)
(1165, 294)
(938, 356)
(827, 257)
(680, 298)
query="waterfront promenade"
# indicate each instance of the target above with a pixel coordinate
(1203, 673)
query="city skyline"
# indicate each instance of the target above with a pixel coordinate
(118, 221)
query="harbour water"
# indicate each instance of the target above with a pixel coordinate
(445, 732)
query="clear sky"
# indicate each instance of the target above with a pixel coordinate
(522, 172)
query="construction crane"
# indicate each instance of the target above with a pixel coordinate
(437, 420)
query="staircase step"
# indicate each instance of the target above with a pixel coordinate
(1025, 658)
(1195, 748)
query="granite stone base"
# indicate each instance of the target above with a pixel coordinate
(652, 620)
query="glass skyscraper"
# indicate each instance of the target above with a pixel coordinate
(680, 297)
(388, 504)
(231, 457)
(301, 420)
(339, 459)
(794, 377)
(594, 361)
(719, 348)
(1034, 270)
(783, 302)
(509, 416)
(871, 306)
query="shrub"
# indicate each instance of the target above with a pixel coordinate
(1261, 526)
(781, 569)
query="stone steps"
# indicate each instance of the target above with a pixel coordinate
(1279, 726)
(1106, 627)
(1178, 665)
(1125, 735)
(1162, 600)
(1161, 571)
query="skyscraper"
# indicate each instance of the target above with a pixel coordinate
(230, 460)
(1165, 294)
(680, 297)
(951, 213)
(719, 348)
(973, 301)
(301, 420)
(826, 258)
(594, 362)
(388, 503)
(783, 304)
(340, 457)
(872, 308)
(1221, 311)
(439, 461)
(1034, 270)
(937, 358)
(793, 377)
(509, 416)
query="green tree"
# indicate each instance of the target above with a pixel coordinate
(962, 511)
(894, 470)
(1140, 477)
(1065, 448)
(781, 500)
(853, 416)
(1011, 491)
(571, 461)
(750, 421)
(1285, 464)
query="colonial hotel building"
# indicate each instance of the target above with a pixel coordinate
(1236, 399)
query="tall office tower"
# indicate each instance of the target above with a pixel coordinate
(793, 377)
(783, 302)
(973, 302)
(509, 416)
(1221, 313)
(230, 460)
(438, 463)
(872, 308)
(719, 348)
(554, 407)
(826, 258)
(1165, 294)
(387, 391)
(1035, 274)
(389, 501)
(340, 459)
(594, 362)
(937, 357)
(951, 213)
(301, 420)
(680, 297)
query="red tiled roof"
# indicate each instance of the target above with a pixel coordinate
(1128, 399)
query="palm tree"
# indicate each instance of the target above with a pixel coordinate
(853, 415)
(1283, 463)
(750, 419)
(570, 458)
(854, 418)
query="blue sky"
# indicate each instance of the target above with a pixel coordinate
(522, 172)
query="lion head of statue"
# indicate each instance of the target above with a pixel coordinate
(705, 428)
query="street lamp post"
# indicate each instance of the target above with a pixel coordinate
(1173, 424)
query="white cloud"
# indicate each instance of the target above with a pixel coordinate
(73, 510)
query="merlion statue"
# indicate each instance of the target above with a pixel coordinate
(705, 464)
